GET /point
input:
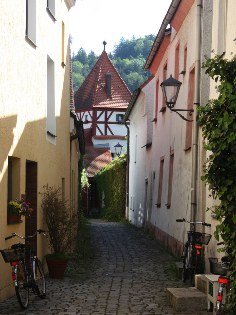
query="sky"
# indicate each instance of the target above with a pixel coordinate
(93, 21)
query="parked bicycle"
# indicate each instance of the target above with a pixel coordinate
(221, 268)
(193, 250)
(27, 269)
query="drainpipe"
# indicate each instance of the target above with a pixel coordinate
(195, 164)
(127, 173)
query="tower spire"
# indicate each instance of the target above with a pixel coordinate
(104, 44)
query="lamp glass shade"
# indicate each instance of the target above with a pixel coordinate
(118, 148)
(170, 88)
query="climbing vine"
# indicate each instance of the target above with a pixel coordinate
(218, 121)
(111, 183)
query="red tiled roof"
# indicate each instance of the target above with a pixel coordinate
(95, 159)
(92, 93)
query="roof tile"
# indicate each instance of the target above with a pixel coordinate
(92, 93)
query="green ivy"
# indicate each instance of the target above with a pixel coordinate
(111, 183)
(84, 180)
(218, 121)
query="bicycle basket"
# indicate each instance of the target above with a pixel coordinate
(200, 238)
(218, 268)
(10, 254)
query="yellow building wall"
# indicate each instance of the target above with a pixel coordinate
(23, 110)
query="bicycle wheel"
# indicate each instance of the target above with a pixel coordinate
(192, 270)
(198, 264)
(39, 279)
(185, 258)
(21, 285)
(221, 300)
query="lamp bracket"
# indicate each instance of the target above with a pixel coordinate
(183, 110)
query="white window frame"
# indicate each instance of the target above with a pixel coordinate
(31, 29)
(51, 112)
(51, 7)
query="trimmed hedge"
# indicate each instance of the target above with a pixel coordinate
(111, 183)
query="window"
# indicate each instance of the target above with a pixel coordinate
(185, 59)
(30, 31)
(177, 62)
(222, 26)
(164, 78)
(119, 118)
(51, 8)
(63, 61)
(188, 138)
(13, 180)
(171, 167)
(63, 188)
(136, 148)
(158, 204)
(51, 115)
(156, 103)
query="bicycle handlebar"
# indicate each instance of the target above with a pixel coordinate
(192, 222)
(40, 231)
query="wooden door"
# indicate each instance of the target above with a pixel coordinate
(31, 192)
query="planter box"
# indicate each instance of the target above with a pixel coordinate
(56, 268)
(13, 219)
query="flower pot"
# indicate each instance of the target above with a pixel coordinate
(56, 268)
(13, 218)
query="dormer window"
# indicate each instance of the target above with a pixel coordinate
(119, 118)
(108, 84)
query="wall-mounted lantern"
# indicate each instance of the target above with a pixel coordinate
(170, 88)
(118, 149)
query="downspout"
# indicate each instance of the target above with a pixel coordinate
(195, 162)
(127, 173)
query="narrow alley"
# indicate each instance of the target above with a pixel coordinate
(128, 275)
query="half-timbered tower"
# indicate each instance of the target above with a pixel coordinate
(100, 103)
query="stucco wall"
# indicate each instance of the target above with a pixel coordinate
(169, 134)
(23, 99)
(141, 176)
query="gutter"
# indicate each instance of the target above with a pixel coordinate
(158, 40)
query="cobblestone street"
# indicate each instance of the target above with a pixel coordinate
(128, 275)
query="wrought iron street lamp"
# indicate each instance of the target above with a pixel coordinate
(170, 88)
(118, 148)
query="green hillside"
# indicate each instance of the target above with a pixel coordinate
(128, 57)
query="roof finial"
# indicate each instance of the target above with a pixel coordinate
(104, 44)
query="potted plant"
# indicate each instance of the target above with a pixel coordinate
(61, 225)
(16, 209)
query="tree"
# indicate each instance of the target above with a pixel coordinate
(218, 121)
(78, 79)
(92, 58)
(133, 80)
(81, 56)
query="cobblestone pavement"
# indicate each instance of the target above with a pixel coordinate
(128, 275)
